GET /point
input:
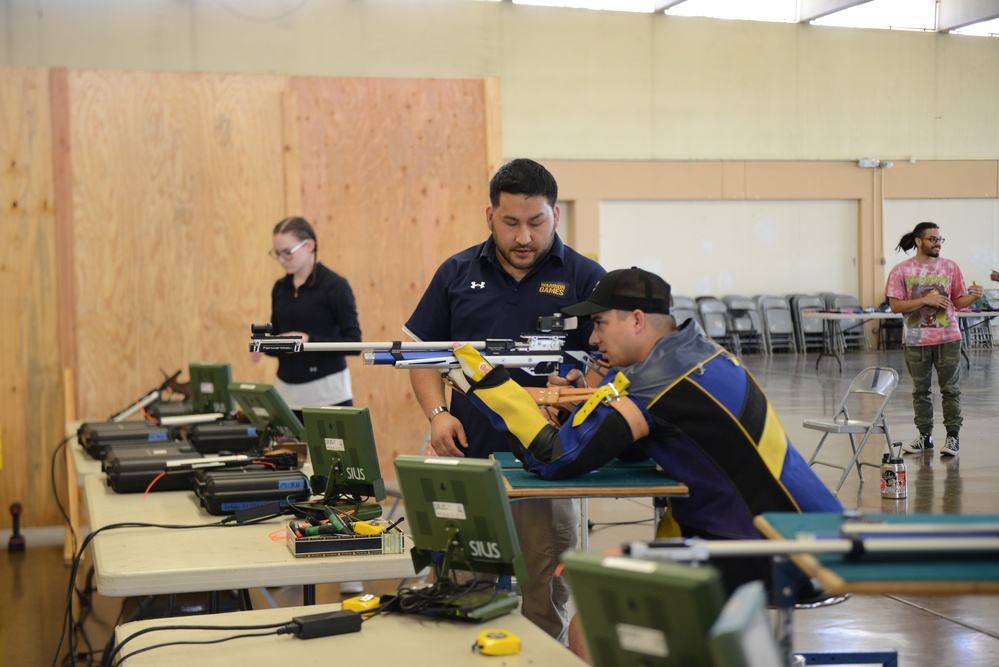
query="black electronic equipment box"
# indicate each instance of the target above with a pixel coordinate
(161, 409)
(131, 469)
(229, 436)
(228, 491)
(96, 437)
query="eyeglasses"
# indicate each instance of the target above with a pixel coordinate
(934, 239)
(286, 254)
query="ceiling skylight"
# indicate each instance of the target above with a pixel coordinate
(885, 14)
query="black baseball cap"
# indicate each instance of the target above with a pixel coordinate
(625, 289)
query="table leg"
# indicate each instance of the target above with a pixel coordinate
(787, 578)
(830, 332)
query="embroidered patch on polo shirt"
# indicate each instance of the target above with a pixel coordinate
(558, 289)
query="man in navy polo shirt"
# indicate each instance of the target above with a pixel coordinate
(499, 289)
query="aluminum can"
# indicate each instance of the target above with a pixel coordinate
(892, 477)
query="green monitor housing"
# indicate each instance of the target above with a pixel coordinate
(343, 454)
(638, 612)
(210, 388)
(266, 410)
(743, 636)
(459, 508)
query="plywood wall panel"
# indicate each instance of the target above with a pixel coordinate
(394, 175)
(30, 371)
(167, 186)
(177, 179)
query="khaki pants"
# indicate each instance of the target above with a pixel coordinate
(546, 528)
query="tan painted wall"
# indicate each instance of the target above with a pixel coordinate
(576, 84)
(587, 183)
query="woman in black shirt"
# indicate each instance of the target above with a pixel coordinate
(317, 304)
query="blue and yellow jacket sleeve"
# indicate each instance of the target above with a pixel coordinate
(578, 447)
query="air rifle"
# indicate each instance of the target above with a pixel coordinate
(152, 396)
(540, 353)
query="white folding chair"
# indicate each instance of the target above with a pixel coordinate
(861, 413)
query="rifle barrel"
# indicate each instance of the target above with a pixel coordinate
(387, 346)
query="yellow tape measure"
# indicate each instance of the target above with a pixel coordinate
(497, 642)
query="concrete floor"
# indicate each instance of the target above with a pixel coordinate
(927, 631)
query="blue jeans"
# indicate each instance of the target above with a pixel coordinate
(946, 359)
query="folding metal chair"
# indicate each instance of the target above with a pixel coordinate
(811, 332)
(778, 324)
(744, 317)
(716, 322)
(861, 413)
(684, 308)
(852, 333)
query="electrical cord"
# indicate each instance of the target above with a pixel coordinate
(55, 490)
(69, 621)
(85, 595)
(277, 629)
(190, 642)
(442, 598)
(324, 624)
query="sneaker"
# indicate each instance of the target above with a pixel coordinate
(951, 446)
(919, 445)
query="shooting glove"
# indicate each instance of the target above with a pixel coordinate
(473, 368)
(507, 405)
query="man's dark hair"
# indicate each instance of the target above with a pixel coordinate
(523, 177)
(908, 241)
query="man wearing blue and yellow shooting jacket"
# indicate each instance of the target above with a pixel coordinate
(678, 397)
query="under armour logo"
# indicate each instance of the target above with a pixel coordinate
(481, 285)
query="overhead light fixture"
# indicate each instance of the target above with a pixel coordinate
(871, 163)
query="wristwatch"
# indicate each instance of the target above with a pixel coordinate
(436, 411)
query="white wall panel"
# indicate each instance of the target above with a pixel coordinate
(735, 247)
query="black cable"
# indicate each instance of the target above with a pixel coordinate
(68, 620)
(109, 644)
(268, 626)
(204, 642)
(443, 597)
(85, 595)
(55, 489)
